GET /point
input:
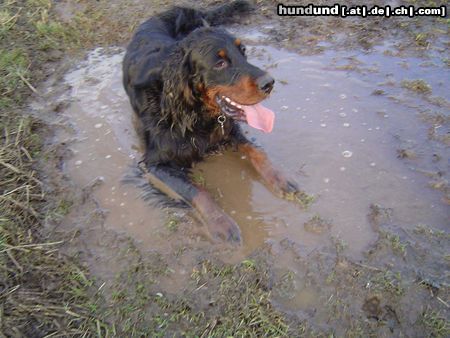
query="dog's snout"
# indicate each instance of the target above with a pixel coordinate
(265, 83)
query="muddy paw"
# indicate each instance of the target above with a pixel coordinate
(223, 228)
(293, 193)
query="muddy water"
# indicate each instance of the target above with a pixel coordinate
(332, 136)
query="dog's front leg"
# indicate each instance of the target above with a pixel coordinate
(276, 181)
(176, 184)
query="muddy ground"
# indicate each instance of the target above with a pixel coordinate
(362, 125)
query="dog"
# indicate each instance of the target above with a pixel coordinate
(189, 84)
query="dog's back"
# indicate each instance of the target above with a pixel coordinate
(155, 37)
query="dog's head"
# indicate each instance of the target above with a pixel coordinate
(212, 71)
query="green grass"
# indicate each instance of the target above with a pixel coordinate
(14, 65)
(418, 86)
(423, 229)
(301, 198)
(172, 223)
(218, 301)
(437, 325)
(394, 241)
(389, 282)
(43, 291)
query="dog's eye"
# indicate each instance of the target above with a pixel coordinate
(243, 49)
(221, 64)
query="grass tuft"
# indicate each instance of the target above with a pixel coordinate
(418, 86)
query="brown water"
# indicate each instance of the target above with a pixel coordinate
(331, 135)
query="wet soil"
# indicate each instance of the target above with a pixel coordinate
(369, 256)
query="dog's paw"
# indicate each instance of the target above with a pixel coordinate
(279, 183)
(293, 193)
(223, 228)
(290, 191)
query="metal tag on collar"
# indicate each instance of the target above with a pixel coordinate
(221, 120)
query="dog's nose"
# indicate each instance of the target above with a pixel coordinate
(265, 83)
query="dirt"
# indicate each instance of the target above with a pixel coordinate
(362, 125)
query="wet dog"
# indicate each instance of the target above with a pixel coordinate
(189, 83)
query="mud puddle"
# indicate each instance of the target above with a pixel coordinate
(332, 135)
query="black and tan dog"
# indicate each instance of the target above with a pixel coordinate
(188, 84)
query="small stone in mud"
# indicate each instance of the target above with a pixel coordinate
(346, 125)
(347, 154)
(323, 125)
(373, 164)
(108, 156)
(378, 92)
(436, 158)
(98, 125)
(343, 96)
(317, 225)
(405, 153)
(79, 162)
(382, 113)
(342, 114)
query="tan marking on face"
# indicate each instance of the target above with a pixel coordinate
(222, 53)
(237, 42)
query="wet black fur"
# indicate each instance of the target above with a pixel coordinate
(167, 58)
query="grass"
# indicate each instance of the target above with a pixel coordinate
(388, 282)
(218, 301)
(435, 323)
(418, 86)
(317, 225)
(301, 198)
(394, 241)
(43, 292)
(172, 223)
(428, 231)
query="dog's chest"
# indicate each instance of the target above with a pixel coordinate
(221, 132)
(216, 138)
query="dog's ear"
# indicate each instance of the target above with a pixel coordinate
(177, 101)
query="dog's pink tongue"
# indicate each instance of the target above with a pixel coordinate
(259, 117)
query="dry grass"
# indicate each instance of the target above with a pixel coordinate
(42, 292)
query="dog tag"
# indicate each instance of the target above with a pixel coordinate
(221, 119)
